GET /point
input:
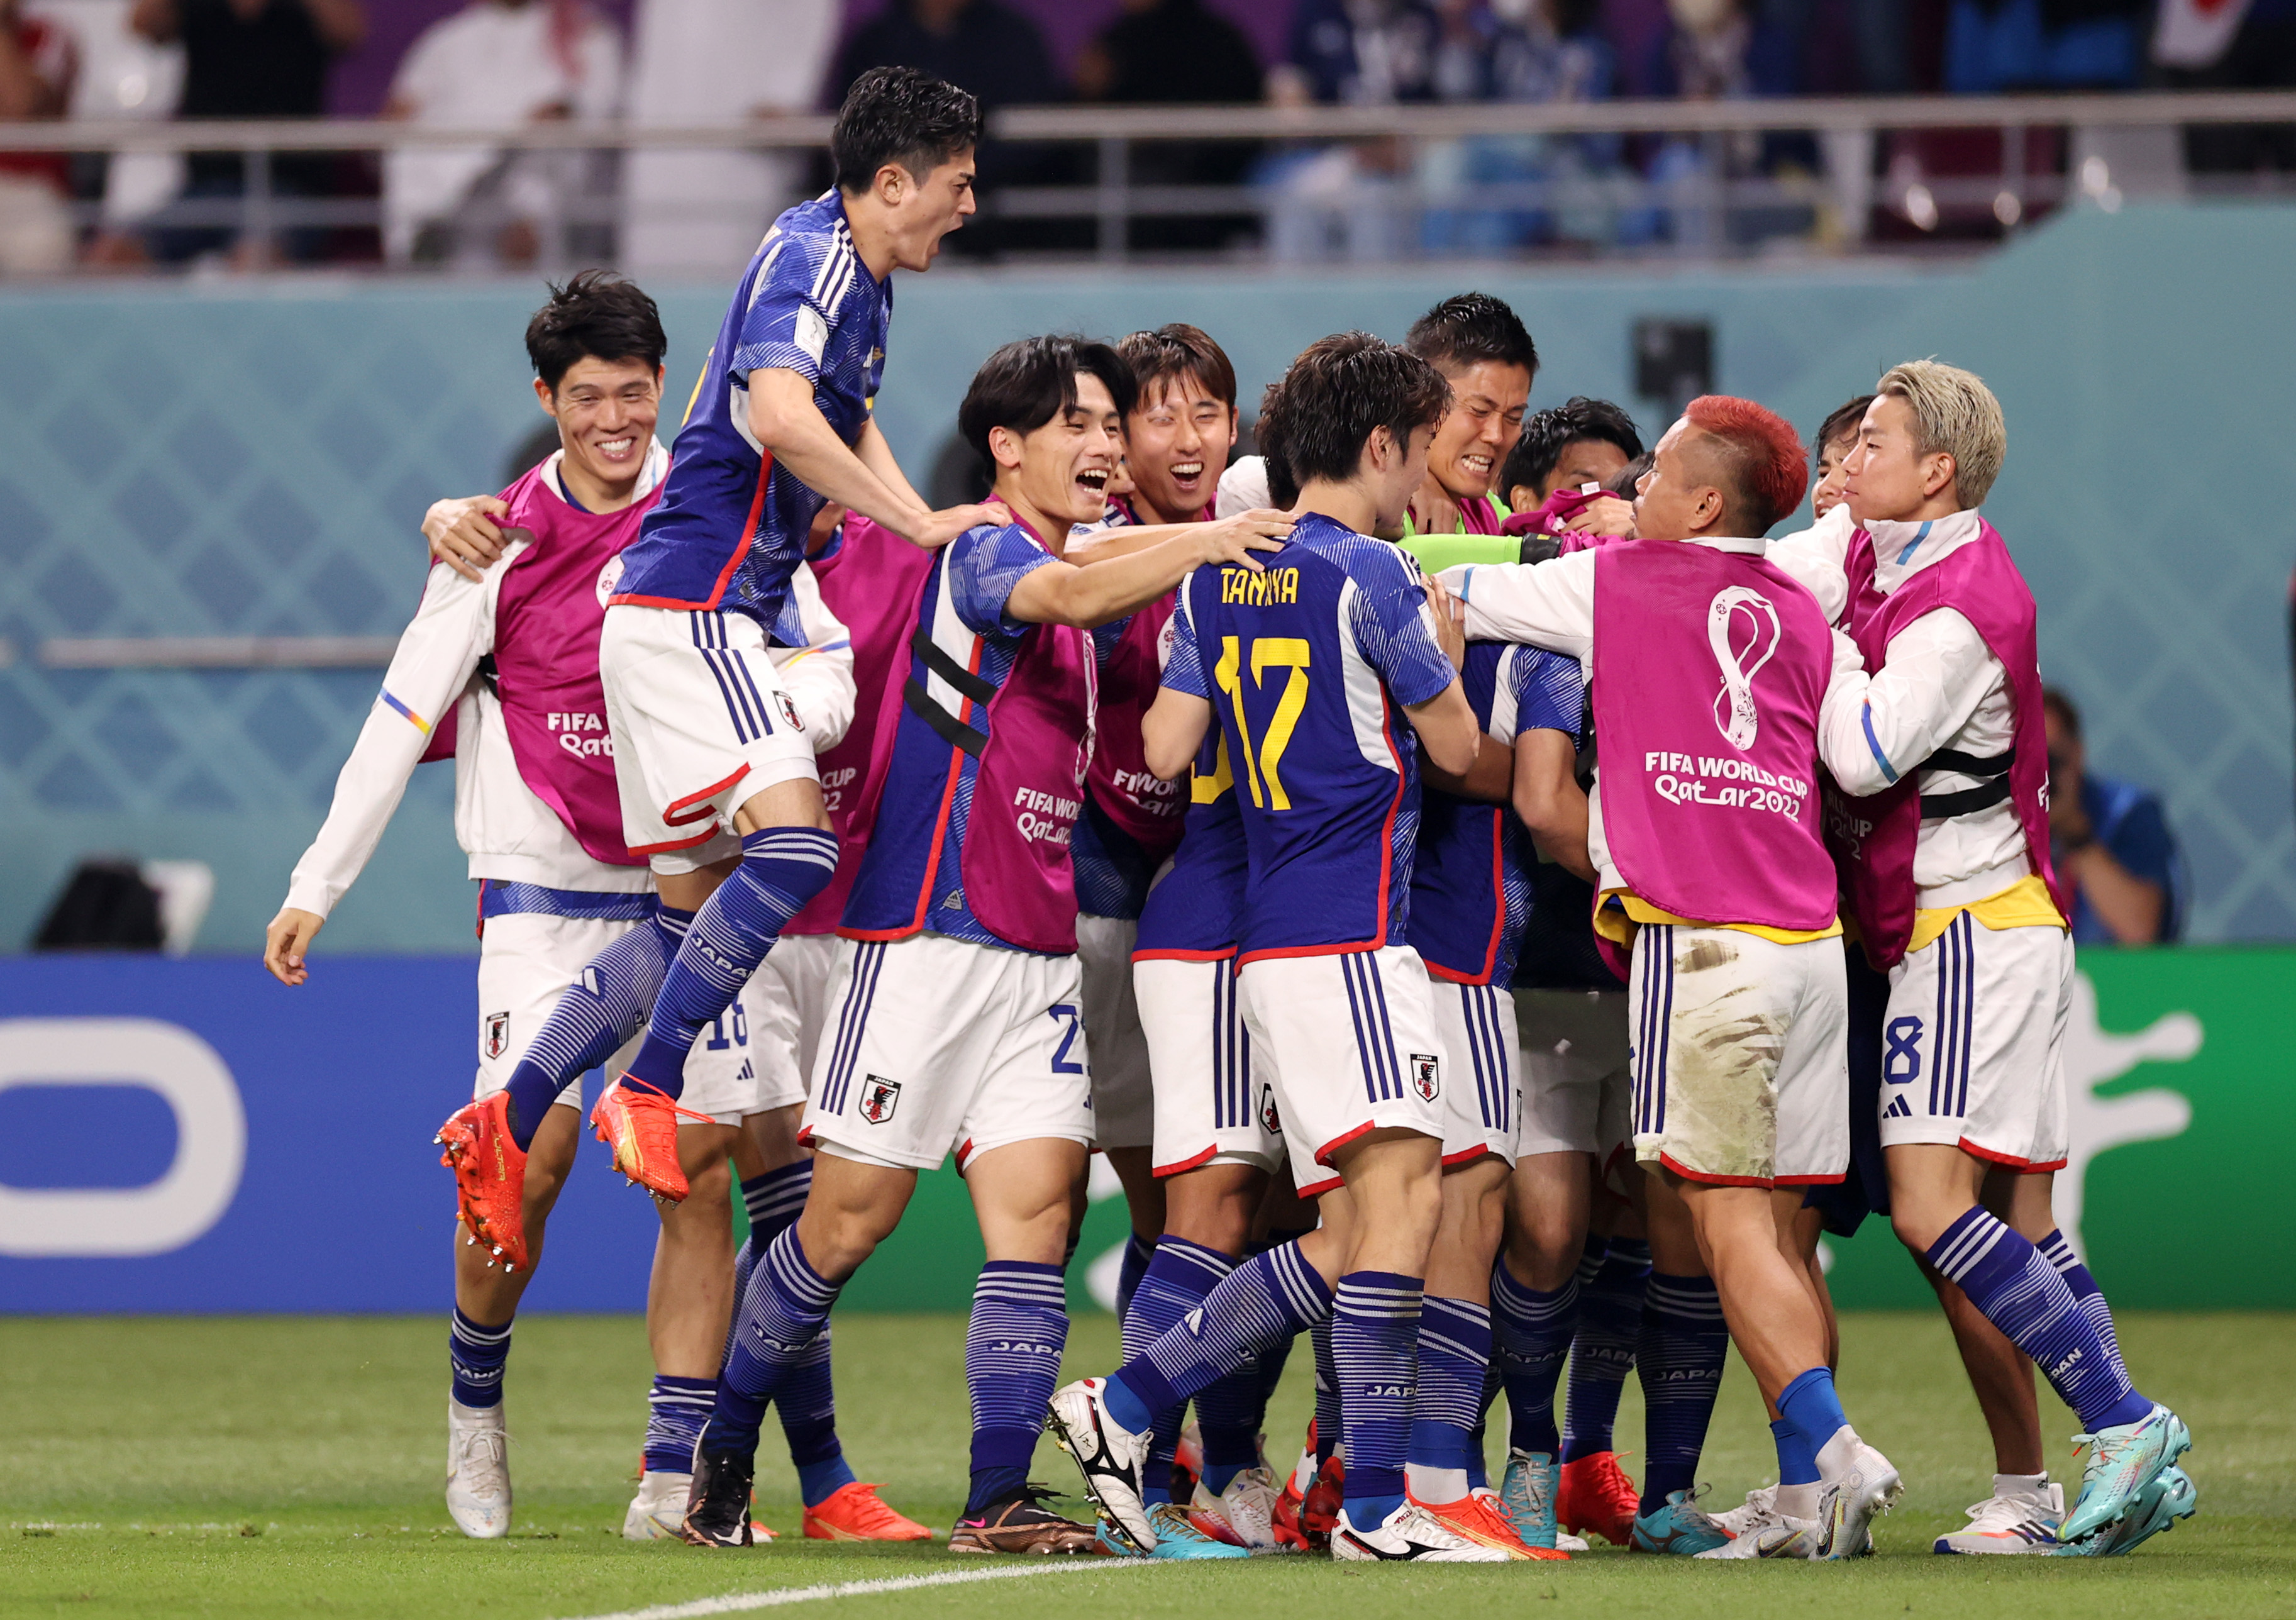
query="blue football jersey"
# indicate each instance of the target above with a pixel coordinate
(731, 525)
(1470, 875)
(1307, 665)
(1195, 911)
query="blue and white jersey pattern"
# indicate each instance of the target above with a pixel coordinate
(1306, 666)
(731, 525)
(1195, 911)
(1471, 886)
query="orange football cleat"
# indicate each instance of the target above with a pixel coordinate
(1596, 1495)
(1474, 1517)
(640, 1125)
(490, 1170)
(853, 1513)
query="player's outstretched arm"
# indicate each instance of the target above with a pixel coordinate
(1172, 730)
(1128, 539)
(1062, 593)
(463, 534)
(784, 420)
(1547, 605)
(1550, 801)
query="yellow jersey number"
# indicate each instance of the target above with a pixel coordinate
(1263, 765)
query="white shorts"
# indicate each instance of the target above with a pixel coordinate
(788, 999)
(1973, 1052)
(1349, 1044)
(1123, 1099)
(1578, 1072)
(526, 961)
(700, 724)
(1741, 1056)
(1485, 1095)
(938, 1046)
(1212, 1106)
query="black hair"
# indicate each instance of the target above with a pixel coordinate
(1343, 387)
(1547, 434)
(1843, 423)
(1268, 431)
(1030, 380)
(1470, 329)
(899, 115)
(597, 314)
(2053, 698)
(1180, 350)
(1622, 483)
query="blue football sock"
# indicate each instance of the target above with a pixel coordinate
(1328, 1419)
(1139, 1251)
(806, 1403)
(776, 1200)
(1454, 1353)
(1013, 1344)
(475, 1355)
(1532, 1329)
(1811, 1404)
(2021, 1294)
(2086, 1293)
(783, 1310)
(1273, 1359)
(782, 869)
(599, 1011)
(1267, 1298)
(675, 1411)
(1603, 1351)
(1492, 1384)
(1175, 1282)
(1375, 1347)
(1684, 1343)
(1797, 1462)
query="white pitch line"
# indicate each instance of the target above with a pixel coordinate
(738, 1602)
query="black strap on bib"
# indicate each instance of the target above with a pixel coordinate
(967, 683)
(1969, 801)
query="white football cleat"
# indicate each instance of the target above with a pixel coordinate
(1760, 1507)
(478, 1471)
(1413, 1534)
(1110, 1456)
(658, 1508)
(1852, 1500)
(1247, 1508)
(1762, 1532)
(2010, 1521)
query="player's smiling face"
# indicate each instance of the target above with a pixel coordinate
(1488, 400)
(1177, 445)
(606, 412)
(1060, 471)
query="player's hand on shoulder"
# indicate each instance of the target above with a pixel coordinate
(285, 942)
(1451, 621)
(1235, 539)
(936, 529)
(462, 533)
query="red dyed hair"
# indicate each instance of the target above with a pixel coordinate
(1766, 461)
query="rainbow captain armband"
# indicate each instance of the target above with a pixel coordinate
(419, 723)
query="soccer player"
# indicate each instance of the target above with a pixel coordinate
(956, 999)
(1561, 451)
(537, 811)
(1483, 351)
(1713, 872)
(717, 781)
(1306, 667)
(1946, 863)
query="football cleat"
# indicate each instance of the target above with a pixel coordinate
(1760, 1507)
(640, 1125)
(2157, 1507)
(853, 1513)
(1179, 1536)
(1187, 1462)
(2122, 1461)
(478, 1471)
(658, 1508)
(1411, 1534)
(1851, 1503)
(1595, 1496)
(1679, 1526)
(1527, 1496)
(2009, 1523)
(1768, 1535)
(1245, 1511)
(490, 1170)
(718, 1512)
(1110, 1456)
(1476, 1517)
(1023, 1525)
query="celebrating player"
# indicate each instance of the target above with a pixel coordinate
(1483, 351)
(956, 1002)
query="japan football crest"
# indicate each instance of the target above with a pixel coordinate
(879, 1098)
(497, 1034)
(1426, 1076)
(789, 711)
(1270, 1121)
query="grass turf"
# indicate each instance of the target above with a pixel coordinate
(276, 1467)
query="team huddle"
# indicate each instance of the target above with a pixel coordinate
(1245, 823)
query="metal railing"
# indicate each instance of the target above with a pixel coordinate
(1585, 161)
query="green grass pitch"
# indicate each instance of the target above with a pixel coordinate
(260, 1468)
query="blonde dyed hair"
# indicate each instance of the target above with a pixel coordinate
(1956, 413)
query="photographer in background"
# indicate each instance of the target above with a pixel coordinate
(2111, 843)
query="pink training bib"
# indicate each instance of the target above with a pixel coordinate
(1147, 810)
(1709, 667)
(1873, 839)
(1029, 790)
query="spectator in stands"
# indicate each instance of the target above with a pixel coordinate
(2109, 843)
(37, 63)
(2230, 44)
(250, 59)
(1341, 201)
(1177, 51)
(496, 64)
(1993, 46)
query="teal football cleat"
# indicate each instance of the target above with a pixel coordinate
(2157, 1507)
(1677, 1527)
(1526, 1495)
(2122, 1461)
(1178, 1536)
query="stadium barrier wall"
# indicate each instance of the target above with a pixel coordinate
(252, 459)
(188, 1137)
